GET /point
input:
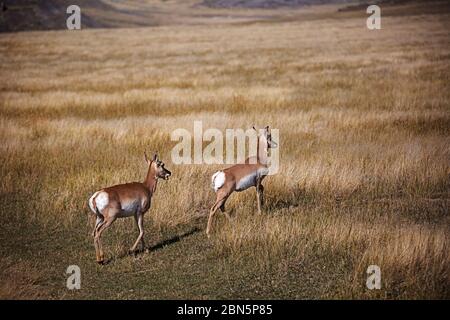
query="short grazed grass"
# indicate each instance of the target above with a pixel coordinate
(364, 143)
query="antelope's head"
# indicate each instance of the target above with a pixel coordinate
(158, 167)
(267, 136)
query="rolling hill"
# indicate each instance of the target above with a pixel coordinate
(21, 15)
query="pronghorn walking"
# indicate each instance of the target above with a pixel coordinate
(126, 200)
(242, 176)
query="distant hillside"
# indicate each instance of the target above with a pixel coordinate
(267, 3)
(23, 15)
(17, 15)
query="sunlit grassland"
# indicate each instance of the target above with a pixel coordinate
(364, 143)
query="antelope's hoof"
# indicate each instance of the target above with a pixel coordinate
(101, 262)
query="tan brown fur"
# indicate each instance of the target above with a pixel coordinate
(237, 173)
(124, 200)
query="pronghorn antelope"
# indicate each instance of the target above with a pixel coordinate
(242, 176)
(126, 200)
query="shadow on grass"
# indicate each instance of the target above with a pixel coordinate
(155, 247)
(170, 241)
(293, 198)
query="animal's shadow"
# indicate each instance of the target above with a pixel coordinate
(155, 247)
(292, 198)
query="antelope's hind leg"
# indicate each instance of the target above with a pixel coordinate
(98, 222)
(220, 203)
(108, 220)
(227, 214)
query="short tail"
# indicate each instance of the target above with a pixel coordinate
(217, 180)
(93, 205)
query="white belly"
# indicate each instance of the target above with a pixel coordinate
(246, 182)
(250, 179)
(130, 208)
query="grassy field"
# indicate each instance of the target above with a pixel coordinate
(364, 142)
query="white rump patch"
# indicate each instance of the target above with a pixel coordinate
(217, 180)
(101, 200)
(91, 202)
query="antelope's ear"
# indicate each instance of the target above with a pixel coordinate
(146, 158)
(155, 157)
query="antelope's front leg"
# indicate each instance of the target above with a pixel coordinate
(139, 229)
(140, 223)
(259, 196)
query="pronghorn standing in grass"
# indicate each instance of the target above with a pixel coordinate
(126, 200)
(242, 176)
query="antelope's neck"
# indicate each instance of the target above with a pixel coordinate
(151, 181)
(262, 150)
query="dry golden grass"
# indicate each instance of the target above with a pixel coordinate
(364, 131)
